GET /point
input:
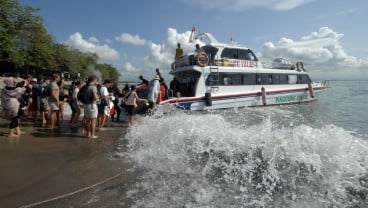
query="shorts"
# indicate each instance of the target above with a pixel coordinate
(74, 104)
(101, 108)
(54, 106)
(130, 109)
(42, 104)
(90, 110)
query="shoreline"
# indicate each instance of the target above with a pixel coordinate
(43, 164)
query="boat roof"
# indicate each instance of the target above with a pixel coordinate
(215, 43)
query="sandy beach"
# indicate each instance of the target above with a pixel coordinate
(42, 165)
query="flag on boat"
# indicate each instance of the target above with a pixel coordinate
(191, 38)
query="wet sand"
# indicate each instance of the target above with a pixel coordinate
(42, 164)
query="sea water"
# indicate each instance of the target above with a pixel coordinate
(308, 155)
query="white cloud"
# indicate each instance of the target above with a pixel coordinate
(128, 67)
(93, 40)
(76, 41)
(128, 38)
(160, 55)
(241, 5)
(107, 40)
(321, 52)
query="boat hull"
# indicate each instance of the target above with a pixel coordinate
(248, 99)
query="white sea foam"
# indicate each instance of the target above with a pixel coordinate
(246, 158)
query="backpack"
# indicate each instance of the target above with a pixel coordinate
(45, 90)
(83, 96)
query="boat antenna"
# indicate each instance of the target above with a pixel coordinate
(232, 41)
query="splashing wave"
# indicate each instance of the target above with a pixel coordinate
(247, 160)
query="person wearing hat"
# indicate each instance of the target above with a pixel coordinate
(11, 106)
(131, 100)
(153, 91)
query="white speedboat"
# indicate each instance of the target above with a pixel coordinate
(230, 76)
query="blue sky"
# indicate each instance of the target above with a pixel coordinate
(136, 37)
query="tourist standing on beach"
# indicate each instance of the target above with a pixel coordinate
(42, 99)
(62, 96)
(75, 104)
(26, 97)
(54, 100)
(116, 101)
(131, 100)
(90, 107)
(70, 100)
(32, 109)
(11, 106)
(104, 105)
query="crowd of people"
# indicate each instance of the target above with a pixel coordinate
(42, 100)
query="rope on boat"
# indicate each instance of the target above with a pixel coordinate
(72, 193)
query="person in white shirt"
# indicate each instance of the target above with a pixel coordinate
(104, 105)
(153, 91)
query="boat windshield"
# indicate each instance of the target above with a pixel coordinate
(236, 53)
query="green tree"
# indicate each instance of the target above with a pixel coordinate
(108, 72)
(24, 40)
(9, 10)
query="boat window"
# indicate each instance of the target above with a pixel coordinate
(230, 79)
(229, 53)
(213, 79)
(211, 52)
(249, 79)
(247, 55)
(234, 53)
(263, 79)
(292, 79)
(221, 79)
(284, 79)
(275, 79)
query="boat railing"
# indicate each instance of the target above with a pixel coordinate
(191, 59)
(235, 62)
(299, 66)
